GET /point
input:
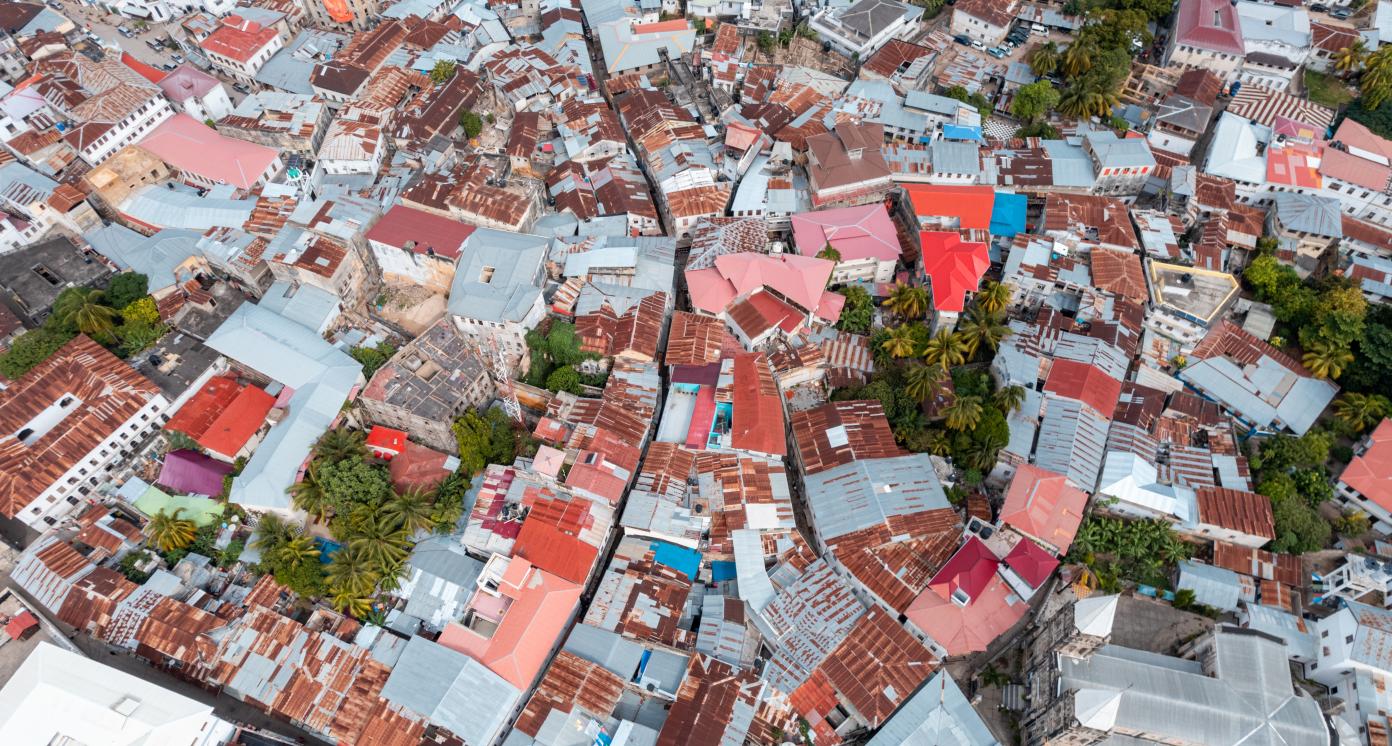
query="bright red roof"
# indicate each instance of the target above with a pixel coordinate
(971, 205)
(1031, 562)
(549, 538)
(1045, 506)
(969, 571)
(238, 38)
(429, 232)
(149, 73)
(223, 415)
(954, 266)
(1086, 383)
(679, 24)
(20, 624)
(386, 439)
(1371, 472)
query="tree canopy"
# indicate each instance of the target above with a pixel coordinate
(858, 313)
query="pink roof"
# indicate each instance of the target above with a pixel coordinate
(1041, 504)
(187, 82)
(188, 145)
(864, 232)
(1086, 383)
(1209, 24)
(1031, 562)
(548, 461)
(593, 474)
(535, 609)
(954, 266)
(801, 279)
(969, 570)
(740, 136)
(1371, 473)
(402, 225)
(971, 629)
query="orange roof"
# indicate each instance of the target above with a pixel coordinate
(223, 415)
(1086, 383)
(1043, 505)
(535, 609)
(971, 205)
(1371, 472)
(386, 440)
(149, 73)
(954, 266)
(652, 28)
(550, 537)
(758, 412)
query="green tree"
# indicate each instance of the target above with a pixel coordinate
(1283, 453)
(170, 532)
(412, 510)
(907, 301)
(923, 382)
(126, 288)
(381, 542)
(993, 296)
(1034, 101)
(309, 495)
(351, 570)
(352, 481)
(858, 313)
(964, 413)
(31, 348)
(448, 506)
(373, 358)
(85, 309)
(1349, 59)
(442, 72)
(765, 41)
(1376, 83)
(981, 328)
(1338, 313)
(900, 342)
(484, 439)
(1008, 399)
(137, 336)
(1044, 58)
(471, 123)
(1326, 359)
(1359, 412)
(564, 379)
(945, 350)
(829, 253)
(340, 443)
(1299, 528)
(1076, 59)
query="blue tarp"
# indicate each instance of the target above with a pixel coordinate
(1008, 214)
(678, 558)
(961, 132)
(722, 571)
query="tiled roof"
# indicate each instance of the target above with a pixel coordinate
(106, 392)
(1371, 472)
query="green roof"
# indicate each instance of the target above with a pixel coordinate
(201, 510)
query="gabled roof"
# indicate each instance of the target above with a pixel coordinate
(967, 573)
(801, 279)
(223, 415)
(193, 147)
(1031, 563)
(1042, 504)
(1209, 24)
(1085, 383)
(954, 266)
(972, 205)
(1244, 512)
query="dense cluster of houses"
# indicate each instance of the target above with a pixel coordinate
(702, 544)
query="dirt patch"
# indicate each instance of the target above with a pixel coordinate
(1155, 626)
(411, 307)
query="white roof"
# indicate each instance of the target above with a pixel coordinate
(1134, 482)
(1235, 153)
(61, 697)
(1094, 615)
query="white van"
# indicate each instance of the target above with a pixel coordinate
(1036, 28)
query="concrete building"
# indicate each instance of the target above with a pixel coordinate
(496, 296)
(859, 30)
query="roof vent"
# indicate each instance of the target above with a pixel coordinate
(127, 706)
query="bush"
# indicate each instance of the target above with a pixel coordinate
(31, 348)
(1341, 453)
(373, 358)
(471, 123)
(126, 288)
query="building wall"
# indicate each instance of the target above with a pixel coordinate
(1223, 65)
(245, 72)
(987, 33)
(213, 105)
(408, 268)
(135, 126)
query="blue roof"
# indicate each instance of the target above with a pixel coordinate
(1008, 214)
(961, 132)
(722, 570)
(677, 558)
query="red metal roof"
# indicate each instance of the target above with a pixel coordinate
(549, 537)
(1044, 506)
(971, 205)
(1246, 512)
(954, 266)
(149, 73)
(1086, 383)
(1031, 562)
(223, 415)
(20, 624)
(386, 440)
(424, 232)
(758, 416)
(969, 571)
(1211, 25)
(1371, 472)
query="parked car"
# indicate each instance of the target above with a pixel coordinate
(1319, 8)
(1340, 13)
(978, 44)
(1039, 28)
(154, 45)
(241, 88)
(997, 52)
(166, 66)
(963, 39)
(178, 58)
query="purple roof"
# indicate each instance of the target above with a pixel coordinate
(192, 473)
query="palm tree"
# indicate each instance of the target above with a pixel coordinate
(945, 350)
(338, 444)
(1008, 399)
(381, 542)
(908, 301)
(1348, 59)
(1044, 59)
(350, 602)
(1076, 59)
(309, 495)
(899, 343)
(993, 296)
(87, 311)
(1361, 411)
(964, 413)
(1376, 83)
(352, 571)
(169, 531)
(1083, 100)
(1325, 360)
(411, 510)
(980, 454)
(982, 327)
(922, 382)
(297, 549)
(938, 443)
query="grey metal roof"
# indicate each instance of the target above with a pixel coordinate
(606, 648)
(1265, 393)
(865, 493)
(155, 256)
(1248, 700)
(307, 305)
(499, 275)
(451, 690)
(624, 50)
(1309, 213)
(1070, 164)
(953, 157)
(1072, 439)
(938, 715)
(170, 208)
(1119, 152)
(1217, 587)
(289, 69)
